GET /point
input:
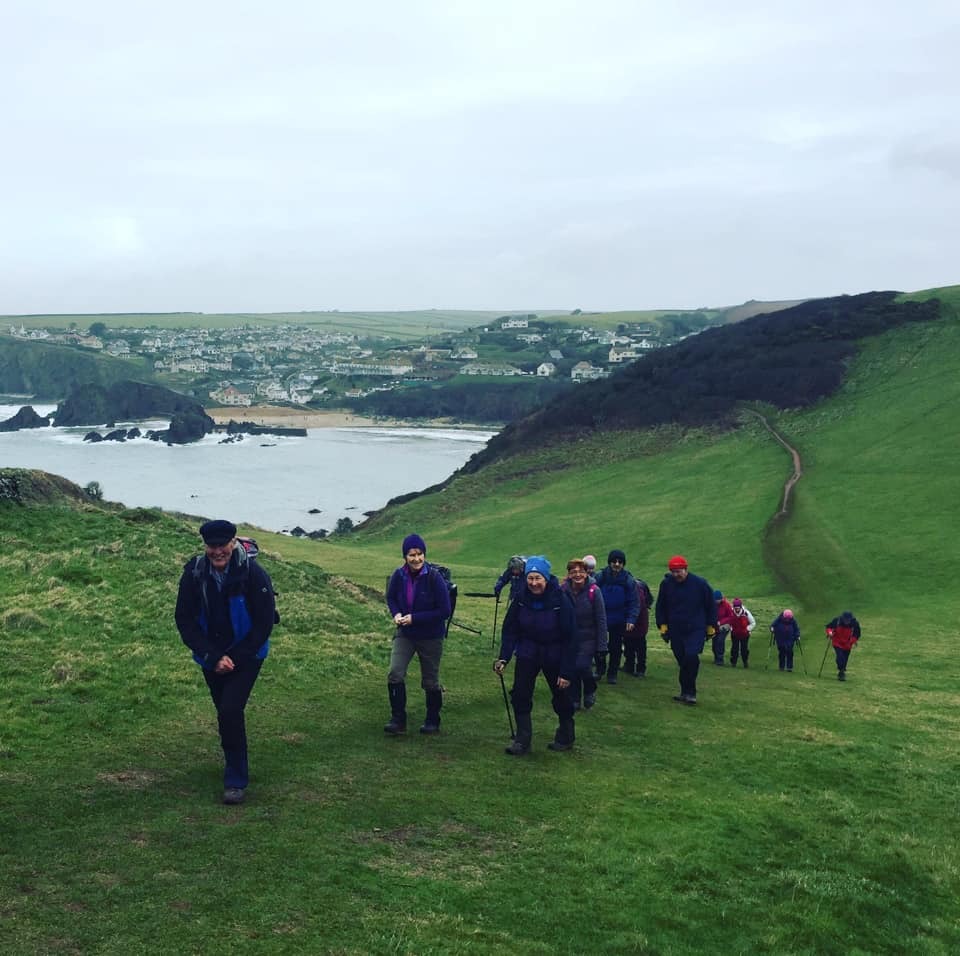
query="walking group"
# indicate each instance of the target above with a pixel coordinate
(576, 632)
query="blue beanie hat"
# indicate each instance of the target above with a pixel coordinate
(718, 595)
(537, 563)
(413, 541)
(616, 553)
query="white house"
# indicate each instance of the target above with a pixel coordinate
(546, 369)
(585, 372)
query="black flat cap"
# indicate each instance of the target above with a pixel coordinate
(218, 532)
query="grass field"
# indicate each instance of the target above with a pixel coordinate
(785, 814)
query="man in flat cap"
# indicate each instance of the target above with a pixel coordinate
(225, 612)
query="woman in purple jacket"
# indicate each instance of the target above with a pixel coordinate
(419, 602)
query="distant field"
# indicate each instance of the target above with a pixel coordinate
(418, 324)
(415, 324)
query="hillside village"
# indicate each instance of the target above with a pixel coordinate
(304, 365)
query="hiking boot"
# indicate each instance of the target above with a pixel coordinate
(233, 795)
(611, 678)
(588, 701)
(679, 698)
(841, 675)
(398, 709)
(745, 664)
(719, 662)
(690, 699)
(789, 670)
(641, 673)
(521, 741)
(431, 723)
(564, 737)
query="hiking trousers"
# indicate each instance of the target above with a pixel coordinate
(686, 651)
(230, 693)
(634, 652)
(739, 647)
(428, 650)
(524, 681)
(615, 633)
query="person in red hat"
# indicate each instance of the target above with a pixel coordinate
(686, 615)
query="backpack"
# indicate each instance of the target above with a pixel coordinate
(444, 573)
(644, 593)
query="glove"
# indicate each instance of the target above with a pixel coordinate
(711, 630)
(663, 633)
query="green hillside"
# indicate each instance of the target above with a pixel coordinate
(784, 814)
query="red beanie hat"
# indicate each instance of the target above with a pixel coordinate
(676, 562)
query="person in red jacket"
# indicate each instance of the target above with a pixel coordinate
(741, 625)
(844, 632)
(724, 617)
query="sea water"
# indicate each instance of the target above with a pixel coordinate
(273, 482)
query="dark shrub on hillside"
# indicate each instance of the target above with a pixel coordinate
(788, 359)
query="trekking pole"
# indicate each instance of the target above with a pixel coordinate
(506, 701)
(493, 638)
(824, 661)
(769, 647)
(803, 659)
(462, 626)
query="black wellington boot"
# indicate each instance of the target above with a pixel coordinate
(398, 709)
(521, 740)
(564, 737)
(431, 724)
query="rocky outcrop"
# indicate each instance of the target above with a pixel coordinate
(246, 428)
(134, 401)
(25, 418)
(126, 401)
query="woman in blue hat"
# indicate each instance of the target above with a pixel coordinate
(540, 629)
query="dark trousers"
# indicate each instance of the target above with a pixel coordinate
(583, 681)
(739, 646)
(524, 681)
(615, 634)
(842, 657)
(634, 652)
(785, 653)
(719, 643)
(230, 693)
(687, 653)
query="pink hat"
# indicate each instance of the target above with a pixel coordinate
(736, 602)
(787, 613)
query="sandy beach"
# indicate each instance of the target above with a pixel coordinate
(293, 417)
(297, 418)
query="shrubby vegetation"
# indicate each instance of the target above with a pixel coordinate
(479, 400)
(51, 371)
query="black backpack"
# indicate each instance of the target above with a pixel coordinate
(444, 572)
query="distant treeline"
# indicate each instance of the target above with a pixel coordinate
(499, 400)
(50, 371)
(788, 359)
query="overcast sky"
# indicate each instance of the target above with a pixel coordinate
(489, 154)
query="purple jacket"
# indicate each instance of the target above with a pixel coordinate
(425, 596)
